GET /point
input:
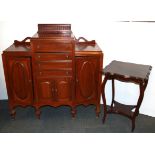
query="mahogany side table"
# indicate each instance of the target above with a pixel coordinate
(125, 72)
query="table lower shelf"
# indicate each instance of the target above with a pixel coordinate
(122, 109)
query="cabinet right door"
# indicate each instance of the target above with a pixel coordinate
(87, 69)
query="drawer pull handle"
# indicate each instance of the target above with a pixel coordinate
(67, 56)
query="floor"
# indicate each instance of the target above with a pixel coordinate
(59, 120)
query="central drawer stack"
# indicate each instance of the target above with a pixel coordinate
(54, 63)
(53, 66)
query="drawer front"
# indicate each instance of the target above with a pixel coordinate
(51, 47)
(54, 65)
(54, 73)
(52, 56)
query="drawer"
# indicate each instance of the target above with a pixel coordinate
(54, 73)
(50, 46)
(54, 65)
(52, 56)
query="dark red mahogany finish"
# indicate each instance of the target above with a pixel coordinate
(125, 72)
(53, 69)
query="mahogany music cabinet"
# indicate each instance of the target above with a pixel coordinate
(53, 68)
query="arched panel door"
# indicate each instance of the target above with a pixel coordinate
(20, 80)
(63, 89)
(86, 79)
(45, 91)
(54, 91)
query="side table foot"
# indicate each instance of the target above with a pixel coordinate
(133, 124)
(103, 120)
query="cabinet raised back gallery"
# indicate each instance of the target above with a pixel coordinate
(53, 69)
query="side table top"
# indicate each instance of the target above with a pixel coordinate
(126, 69)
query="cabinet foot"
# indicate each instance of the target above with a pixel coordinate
(73, 112)
(13, 114)
(97, 114)
(97, 110)
(38, 113)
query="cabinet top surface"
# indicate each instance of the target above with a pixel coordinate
(20, 48)
(78, 48)
(85, 47)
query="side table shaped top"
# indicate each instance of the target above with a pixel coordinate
(129, 70)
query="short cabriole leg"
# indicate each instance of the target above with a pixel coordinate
(13, 114)
(38, 113)
(73, 112)
(97, 110)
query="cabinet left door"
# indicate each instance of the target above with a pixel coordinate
(19, 81)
